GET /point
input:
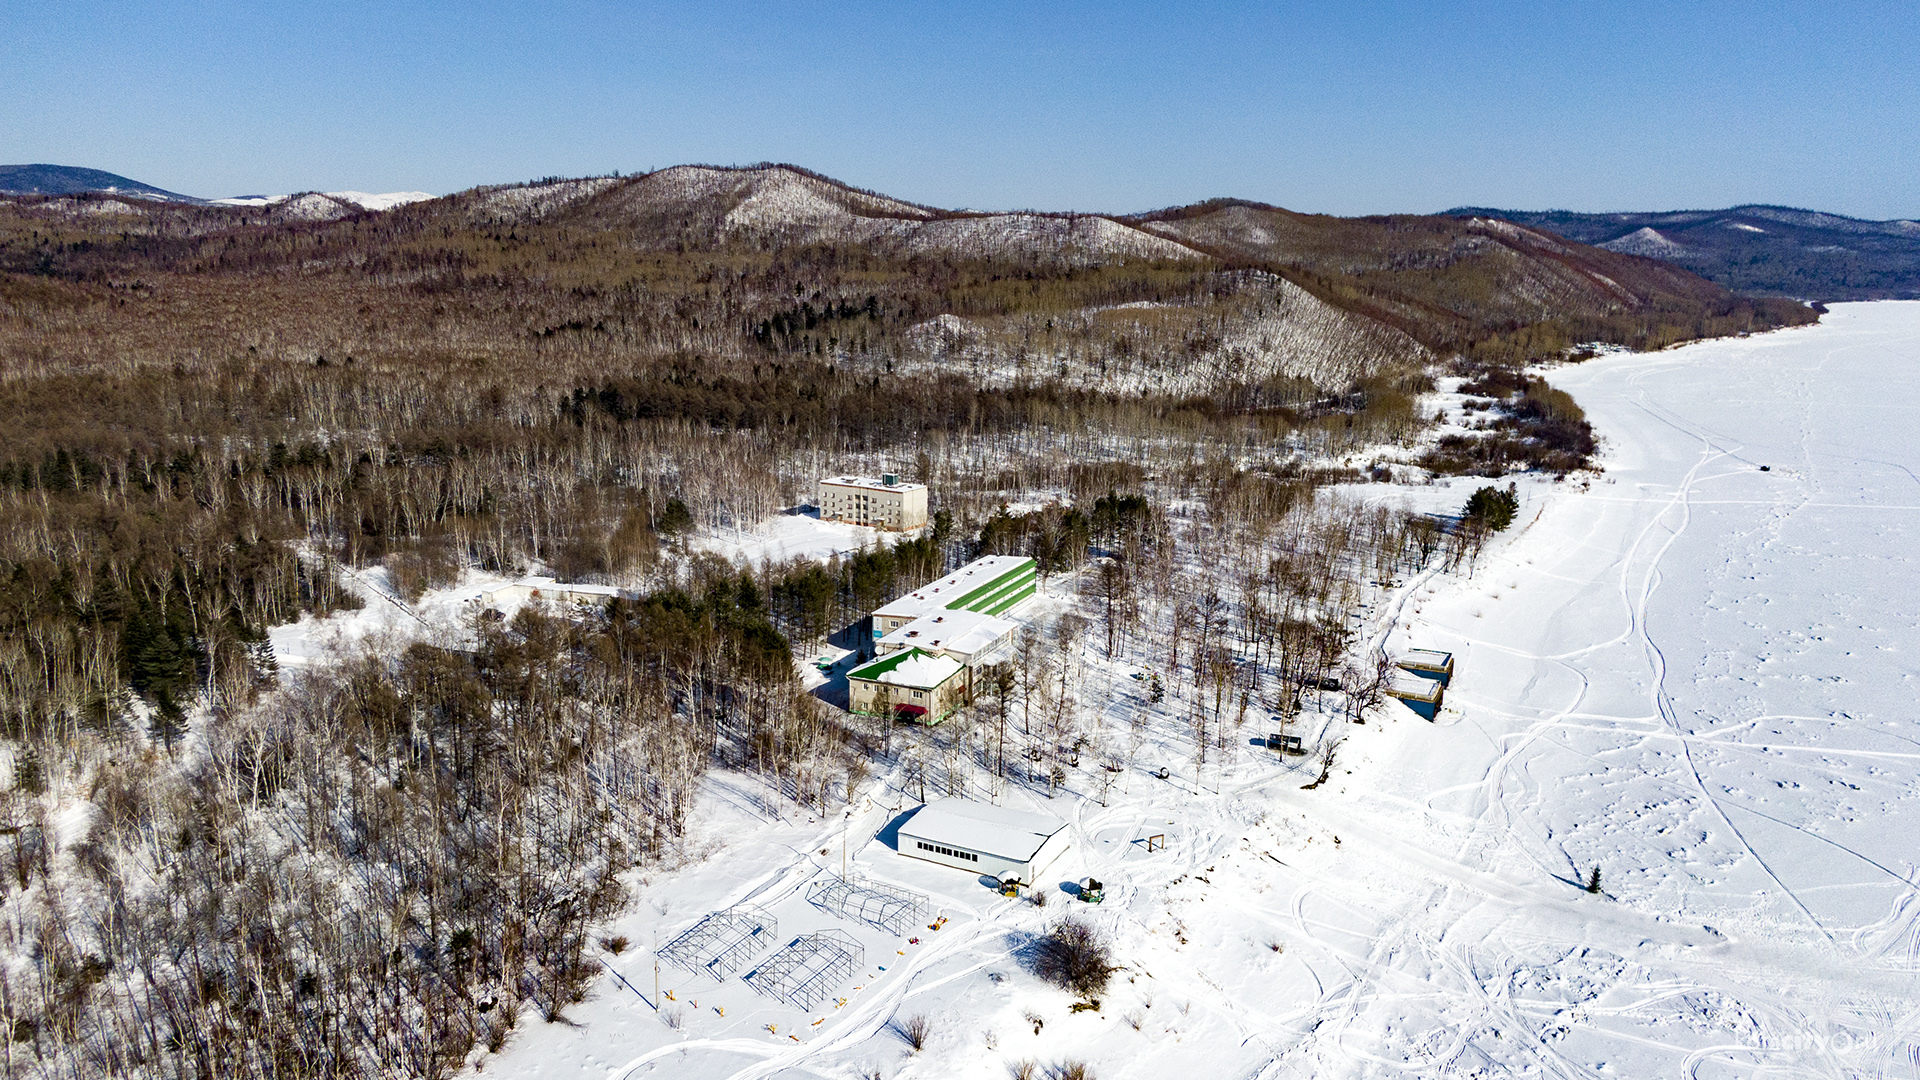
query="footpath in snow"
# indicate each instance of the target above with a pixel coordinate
(1697, 674)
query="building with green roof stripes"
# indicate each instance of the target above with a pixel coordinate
(992, 585)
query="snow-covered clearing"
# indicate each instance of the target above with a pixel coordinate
(1695, 675)
(384, 621)
(532, 201)
(796, 535)
(1273, 330)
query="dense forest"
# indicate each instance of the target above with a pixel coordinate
(217, 420)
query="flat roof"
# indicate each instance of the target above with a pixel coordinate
(873, 482)
(1407, 684)
(959, 631)
(1001, 831)
(965, 587)
(913, 668)
(1427, 658)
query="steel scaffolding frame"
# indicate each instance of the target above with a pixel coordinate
(885, 906)
(723, 942)
(808, 971)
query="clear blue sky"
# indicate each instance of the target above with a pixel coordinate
(1340, 107)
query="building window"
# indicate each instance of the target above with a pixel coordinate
(939, 849)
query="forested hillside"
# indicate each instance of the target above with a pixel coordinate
(208, 415)
(1756, 250)
(1482, 287)
(68, 180)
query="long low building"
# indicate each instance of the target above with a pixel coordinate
(1421, 695)
(1429, 664)
(997, 841)
(967, 636)
(991, 585)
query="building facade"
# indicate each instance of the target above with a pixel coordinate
(997, 841)
(551, 591)
(910, 684)
(883, 503)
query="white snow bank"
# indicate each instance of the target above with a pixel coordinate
(791, 536)
(91, 207)
(385, 201)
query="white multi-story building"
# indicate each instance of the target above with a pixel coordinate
(928, 642)
(885, 503)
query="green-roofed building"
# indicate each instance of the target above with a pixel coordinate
(911, 684)
(929, 639)
(992, 585)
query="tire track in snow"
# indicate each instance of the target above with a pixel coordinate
(1662, 700)
(1755, 968)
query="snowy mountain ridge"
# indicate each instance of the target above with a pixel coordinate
(788, 205)
(1757, 250)
(73, 180)
(1646, 241)
(361, 199)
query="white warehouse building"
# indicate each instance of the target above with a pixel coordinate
(885, 503)
(997, 841)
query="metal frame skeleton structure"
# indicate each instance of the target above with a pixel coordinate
(885, 906)
(809, 970)
(723, 942)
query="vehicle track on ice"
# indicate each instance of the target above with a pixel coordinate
(1657, 658)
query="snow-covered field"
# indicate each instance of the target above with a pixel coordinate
(384, 622)
(791, 536)
(1695, 675)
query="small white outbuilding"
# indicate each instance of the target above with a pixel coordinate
(997, 841)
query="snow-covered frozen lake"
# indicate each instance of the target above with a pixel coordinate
(1695, 675)
(1700, 677)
